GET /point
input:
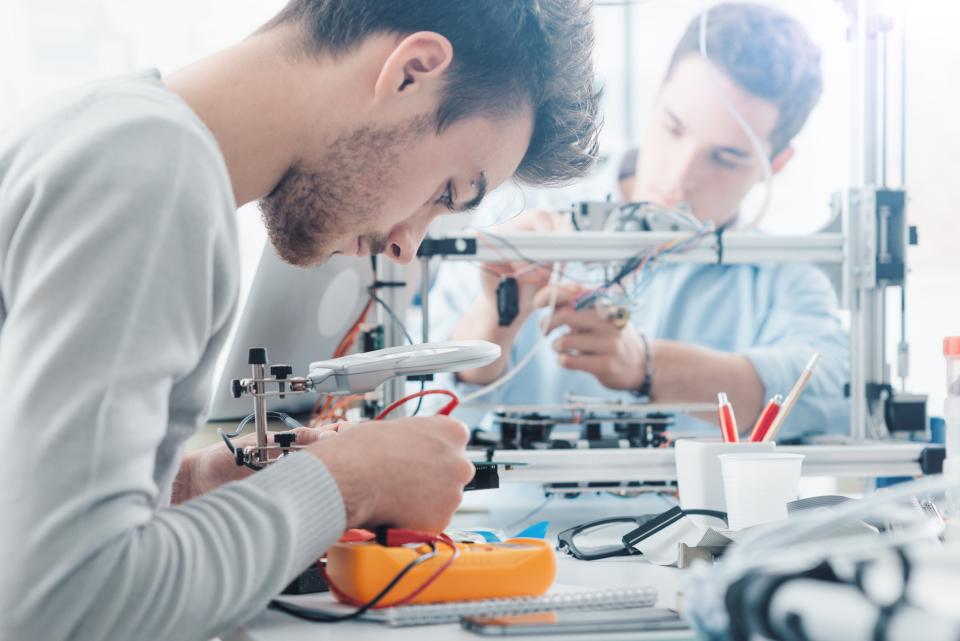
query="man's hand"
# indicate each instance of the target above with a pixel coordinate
(481, 321)
(405, 473)
(530, 278)
(207, 469)
(594, 344)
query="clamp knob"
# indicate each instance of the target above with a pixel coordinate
(258, 356)
(236, 389)
(285, 439)
(281, 372)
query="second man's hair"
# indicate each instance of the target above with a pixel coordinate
(767, 53)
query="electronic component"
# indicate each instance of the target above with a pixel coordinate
(639, 428)
(508, 301)
(486, 477)
(359, 571)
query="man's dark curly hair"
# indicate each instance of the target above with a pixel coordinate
(507, 54)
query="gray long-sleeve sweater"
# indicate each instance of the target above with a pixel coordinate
(118, 280)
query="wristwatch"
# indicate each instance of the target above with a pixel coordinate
(643, 393)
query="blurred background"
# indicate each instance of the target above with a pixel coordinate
(46, 45)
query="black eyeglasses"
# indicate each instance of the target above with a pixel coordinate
(600, 539)
(617, 536)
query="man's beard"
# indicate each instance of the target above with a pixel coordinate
(340, 197)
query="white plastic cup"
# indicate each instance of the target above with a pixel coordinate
(699, 478)
(758, 486)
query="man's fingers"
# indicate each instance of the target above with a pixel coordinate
(595, 365)
(456, 432)
(566, 294)
(450, 429)
(537, 220)
(583, 343)
(585, 320)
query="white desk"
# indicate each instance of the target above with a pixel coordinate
(506, 508)
(623, 572)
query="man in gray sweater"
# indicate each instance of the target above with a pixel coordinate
(354, 123)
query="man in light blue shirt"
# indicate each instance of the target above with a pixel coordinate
(695, 330)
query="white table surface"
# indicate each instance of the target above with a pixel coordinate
(508, 509)
(606, 573)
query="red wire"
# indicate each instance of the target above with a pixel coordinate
(444, 411)
(343, 597)
(443, 538)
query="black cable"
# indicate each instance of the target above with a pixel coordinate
(423, 386)
(393, 317)
(406, 334)
(320, 616)
(506, 243)
(286, 419)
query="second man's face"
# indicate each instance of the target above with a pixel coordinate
(694, 151)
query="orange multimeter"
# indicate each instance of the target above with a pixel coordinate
(516, 567)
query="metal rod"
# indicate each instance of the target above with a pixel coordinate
(628, 83)
(597, 246)
(259, 412)
(396, 297)
(884, 72)
(425, 298)
(903, 100)
(654, 464)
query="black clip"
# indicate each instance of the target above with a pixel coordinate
(508, 301)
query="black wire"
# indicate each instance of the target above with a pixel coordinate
(506, 243)
(423, 386)
(321, 616)
(286, 419)
(636, 261)
(226, 439)
(393, 317)
(406, 334)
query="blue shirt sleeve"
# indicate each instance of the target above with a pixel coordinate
(803, 319)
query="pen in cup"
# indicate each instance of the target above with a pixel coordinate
(792, 397)
(728, 422)
(767, 416)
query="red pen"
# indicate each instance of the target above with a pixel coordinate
(766, 419)
(728, 422)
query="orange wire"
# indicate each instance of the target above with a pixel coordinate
(351, 335)
(322, 406)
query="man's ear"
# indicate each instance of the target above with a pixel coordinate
(781, 159)
(416, 64)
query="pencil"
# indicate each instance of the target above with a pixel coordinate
(792, 397)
